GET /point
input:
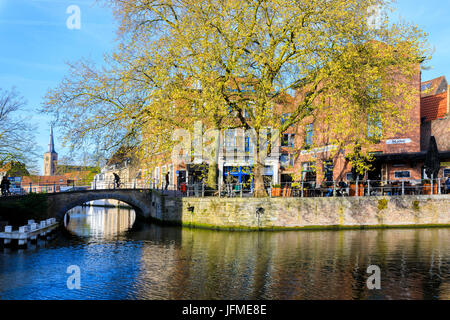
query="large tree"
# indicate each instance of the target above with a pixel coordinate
(17, 142)
(178, 60)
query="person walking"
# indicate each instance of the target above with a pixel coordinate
(7, 185)
(167, 179)
(3, 186)
(116, 180)
(229, 183)
(447, 185)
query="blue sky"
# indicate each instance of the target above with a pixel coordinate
(36, 44)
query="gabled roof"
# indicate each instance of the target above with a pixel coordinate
(434, 86)
(60, 179)
(43, 180)
(433, 107)
(123, 154)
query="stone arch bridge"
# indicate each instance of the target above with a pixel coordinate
(61, 202)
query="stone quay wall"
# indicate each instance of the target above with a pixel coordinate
(303, 213)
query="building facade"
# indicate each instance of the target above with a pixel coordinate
(305, 154)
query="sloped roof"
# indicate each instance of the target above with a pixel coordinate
(124, 153)
(44, 180)
(433, 107)
(6, 167)
(434, 86)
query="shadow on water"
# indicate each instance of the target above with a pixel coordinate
(122, 258)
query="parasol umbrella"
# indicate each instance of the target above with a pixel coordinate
(432, 162)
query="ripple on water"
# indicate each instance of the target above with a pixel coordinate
(127, 261)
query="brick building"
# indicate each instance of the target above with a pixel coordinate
(306, 154)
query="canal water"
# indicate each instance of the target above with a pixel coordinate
(119, 258)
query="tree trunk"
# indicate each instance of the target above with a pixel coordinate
(259, 191)
(212, 175)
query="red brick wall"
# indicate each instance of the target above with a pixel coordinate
(413, 131)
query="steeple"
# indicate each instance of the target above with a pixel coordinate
(51, 145)
(50, 157)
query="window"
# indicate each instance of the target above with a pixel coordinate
(248, 88)
(171, 174)
(349, 176)
(285, 117)
(328, 170)
(288, 140)
(247, 144)
(230, 138)
(374, 126)
(163, 174)
(284, 159)
(446, 173)
(292, 160)
(426, 86)
(308, 171)
(249, 110)
(402, 174)
(156, 175)
(374, 90)
(268, 171)
(309, 134)
(292, 141)
(285, 140)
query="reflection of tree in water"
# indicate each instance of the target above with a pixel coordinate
(306, 265)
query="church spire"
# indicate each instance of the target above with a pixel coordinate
(51, 145)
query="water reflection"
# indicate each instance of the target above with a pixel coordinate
(153, 262)
(97, 221)
(311, 265)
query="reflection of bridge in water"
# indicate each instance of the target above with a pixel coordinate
(100, 221)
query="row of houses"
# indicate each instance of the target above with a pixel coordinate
(304, 154)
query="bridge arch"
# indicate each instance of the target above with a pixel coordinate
(59, 203)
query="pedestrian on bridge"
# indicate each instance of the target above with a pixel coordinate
(167, 179)
(4, 185)
(116, 180)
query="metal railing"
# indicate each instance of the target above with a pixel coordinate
(309, 189)
(292, 189)
(363, 188)
(72, 185)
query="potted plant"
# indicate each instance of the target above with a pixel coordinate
(276, 190)
(427, 187)
(352, 188)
